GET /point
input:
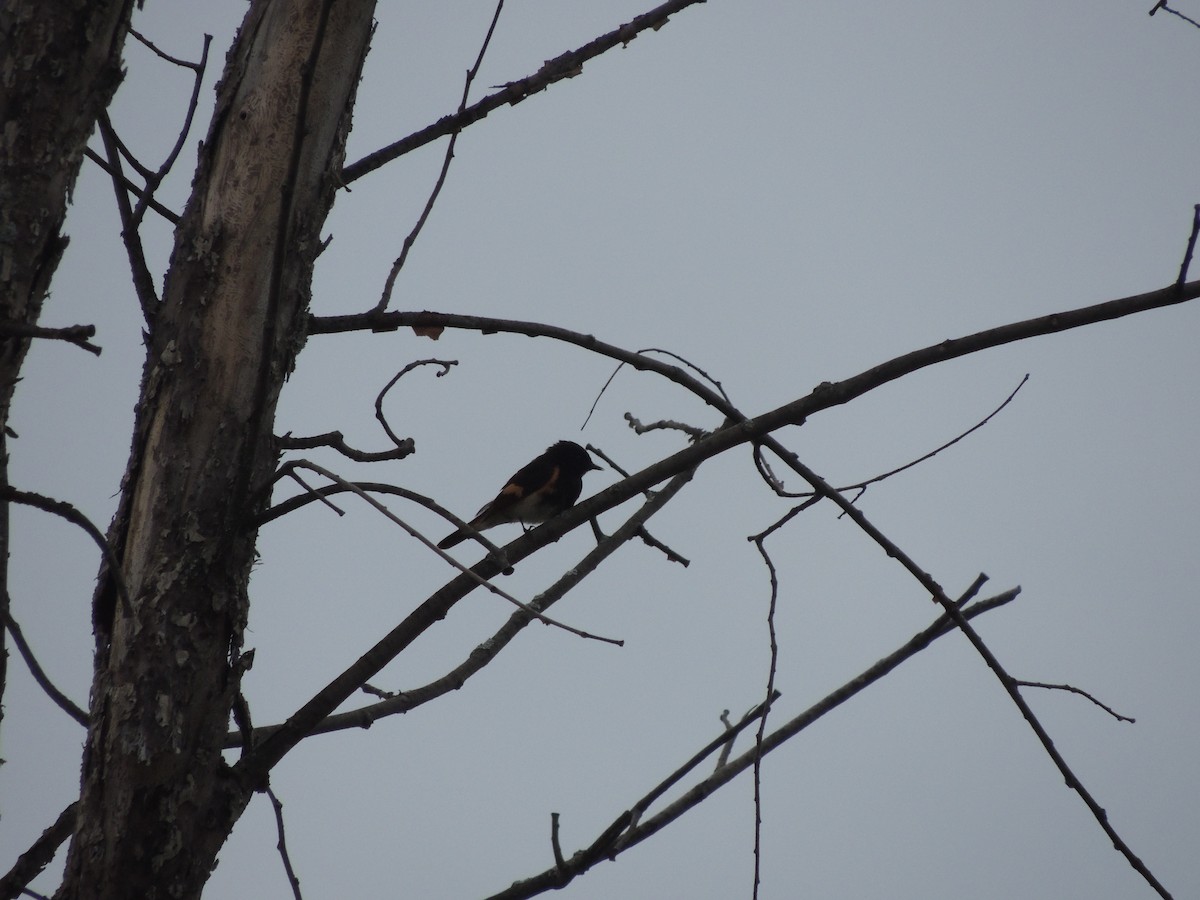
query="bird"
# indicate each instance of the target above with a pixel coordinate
(541, 490)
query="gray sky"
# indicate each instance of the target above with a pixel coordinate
(784, 194)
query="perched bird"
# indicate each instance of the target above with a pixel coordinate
(540, 491)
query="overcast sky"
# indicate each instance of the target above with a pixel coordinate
(785, 194)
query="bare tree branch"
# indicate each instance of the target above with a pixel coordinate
(862, 485)
(72, 334)
(33, 861)
(1191, 246)
(445, 366)
(281, 845)
(772, 665)
(567, 65)
(555, 846)
(301, 500)
(692, 431)
(1074, 690)
(828, 395)
(411, 238)
(154, 179)
(823, 396)
(66, 511)
(1162, 4)
(305, 721)
(336, 441)
(169, 214)
(483, 582)
(634, 833)
(993, 663)
(65, 703)
(143, 281)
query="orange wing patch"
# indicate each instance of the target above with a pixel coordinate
(550, 482)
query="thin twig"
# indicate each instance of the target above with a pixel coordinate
(974, 588)
(281, 845)
(1074, 690)
(72, 334)
(1191, 244)
(65, 703)
(129, 156)
(728, 747)
(787, 517)
(772, 666)
(691, 431)
(156, 178)
(672, 556)
(567, 65)
(773, 481)
(604, 387)
(290, 471)
(721, 742)
(335, 440)
(143, 281)
(65, 510)
(647, 538)
(555, 845)
(411, 238)
(691, 365)
(777, 486)
(1162, 4)
(182, 63)
(716, 384)
(945, 446)
(169, 214)
(292, 504)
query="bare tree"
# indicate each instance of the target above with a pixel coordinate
(158, 799)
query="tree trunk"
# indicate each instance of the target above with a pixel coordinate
(158, 801)
(59, 66)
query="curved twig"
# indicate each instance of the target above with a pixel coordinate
(444, 363)
(65, 703)
(65, 510)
